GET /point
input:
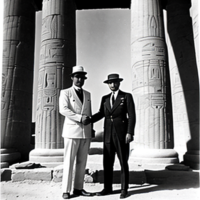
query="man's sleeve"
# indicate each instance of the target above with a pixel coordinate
(131, 114)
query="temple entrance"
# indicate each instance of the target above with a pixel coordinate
(103, 47)
(150, 74)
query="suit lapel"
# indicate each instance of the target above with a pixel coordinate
(107, 103)
(116, 104)
(76, 98)
(85, 99)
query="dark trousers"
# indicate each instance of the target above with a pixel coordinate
(122, 150)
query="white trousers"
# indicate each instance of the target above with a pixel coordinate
(74, 149)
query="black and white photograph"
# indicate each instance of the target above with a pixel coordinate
(100, 99)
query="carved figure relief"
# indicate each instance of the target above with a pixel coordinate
(149, 78)
(48, 131)
(53, 56)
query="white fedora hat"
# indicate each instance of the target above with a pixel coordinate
(78, 69)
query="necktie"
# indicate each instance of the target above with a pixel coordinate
(80, 91)
(113, 98)
(80, 94)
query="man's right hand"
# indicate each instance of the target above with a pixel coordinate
(85, 120)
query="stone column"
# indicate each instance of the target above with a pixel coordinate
(57, 56)
(151, 85)
(17, 80)
(180, 31)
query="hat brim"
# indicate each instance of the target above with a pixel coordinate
(79, 73)
(114, 79)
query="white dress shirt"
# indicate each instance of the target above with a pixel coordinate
(76, 88)
(115, 96)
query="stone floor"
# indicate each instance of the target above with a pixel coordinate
(157, 184)
(147, 181)
(180, 186)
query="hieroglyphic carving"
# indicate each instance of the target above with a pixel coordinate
(17, 70)
(48, 128)
(53, 68)
(52, 51)
(150, 84)
(52, 27)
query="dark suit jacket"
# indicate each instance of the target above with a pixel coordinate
(121, 117)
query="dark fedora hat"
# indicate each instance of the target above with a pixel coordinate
(113, 77)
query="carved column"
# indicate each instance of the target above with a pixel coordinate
(17, 80)
(151, 85)
(57, 56)
(180, 31)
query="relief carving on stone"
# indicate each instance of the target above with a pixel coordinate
(52, 51)
(149, 86)
(17, 70)
(47, 118)
(58, 22)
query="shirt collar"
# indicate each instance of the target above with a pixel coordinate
(76, 88)
(116, 93)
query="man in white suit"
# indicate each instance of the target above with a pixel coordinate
(77, 132)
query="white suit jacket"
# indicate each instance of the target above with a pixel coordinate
(72, 108)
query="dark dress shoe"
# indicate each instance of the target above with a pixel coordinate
(66, 196)
(123, 194)
(82, 193)
(104, 192)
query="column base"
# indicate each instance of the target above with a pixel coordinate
(9, 156)
(47, 157)
(191, 158)
(154, 156)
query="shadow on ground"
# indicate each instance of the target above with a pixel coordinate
(164, 179)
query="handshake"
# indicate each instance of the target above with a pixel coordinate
(85, 120)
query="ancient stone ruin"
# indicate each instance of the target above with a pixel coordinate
(166, 99)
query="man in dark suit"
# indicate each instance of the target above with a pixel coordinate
(118, 132)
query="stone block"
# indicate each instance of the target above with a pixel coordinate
(42, 174)
(58, 173)
(5, 174)
(88, 178)
(18, 175)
